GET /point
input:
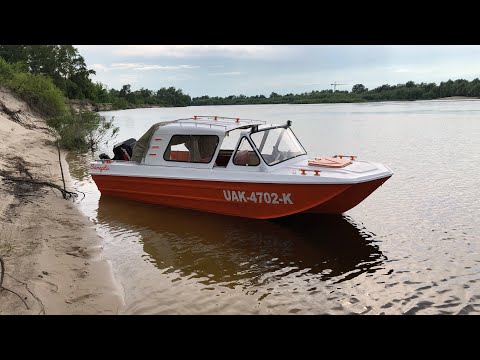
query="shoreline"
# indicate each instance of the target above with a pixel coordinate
(458, 98)
(102, 108)
(52, 253)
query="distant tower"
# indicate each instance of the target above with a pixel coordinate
(335, 86)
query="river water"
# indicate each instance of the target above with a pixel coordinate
(412, 247)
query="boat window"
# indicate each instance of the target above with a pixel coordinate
(231, 139)
(191, 148)
(245, 155)
(277, 145)
(227, 148)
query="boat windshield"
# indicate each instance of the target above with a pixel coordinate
(277, 145)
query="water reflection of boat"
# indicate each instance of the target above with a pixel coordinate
(239, 251)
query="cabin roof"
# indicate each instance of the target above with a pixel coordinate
(205, 125)
(216, 123)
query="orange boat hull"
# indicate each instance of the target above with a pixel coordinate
(252, 200)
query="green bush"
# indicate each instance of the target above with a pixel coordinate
(83, 131)
(119, 103)
(37, 90)
(6, 72)
(76, 131)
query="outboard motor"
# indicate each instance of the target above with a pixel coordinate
(123, 150)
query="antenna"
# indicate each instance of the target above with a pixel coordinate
(335, 86)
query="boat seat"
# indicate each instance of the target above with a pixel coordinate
(222, 161)
(223, 158)
(179, 155)
(246, 158)
(241, 157)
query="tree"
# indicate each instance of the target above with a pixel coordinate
(14, 53)
(124, 91)
(359, 88)
(62, 63)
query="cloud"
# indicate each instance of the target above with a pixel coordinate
(182, 51)
(140, 66)
(124, 66)
(180, 77)
(99, 67)
(227, 73)
(160, 67)
(127, 79)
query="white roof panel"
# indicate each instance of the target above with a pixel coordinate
(224, 124)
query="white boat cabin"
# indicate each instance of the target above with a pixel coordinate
(212, 142)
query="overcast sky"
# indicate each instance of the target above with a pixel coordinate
(222, 70)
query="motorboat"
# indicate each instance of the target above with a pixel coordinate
(232, 166)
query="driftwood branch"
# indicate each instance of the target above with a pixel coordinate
(65, 193)
(13, 292)
(2, 273)
(31, 293)
(12, 114)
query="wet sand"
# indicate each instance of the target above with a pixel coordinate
(52, 254)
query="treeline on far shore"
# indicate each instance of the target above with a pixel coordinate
(401, 92)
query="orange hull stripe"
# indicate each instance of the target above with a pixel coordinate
(253, 200)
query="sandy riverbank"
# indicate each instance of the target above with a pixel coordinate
(51, 252)
(458, 98)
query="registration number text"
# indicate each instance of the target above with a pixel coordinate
(257, 197)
